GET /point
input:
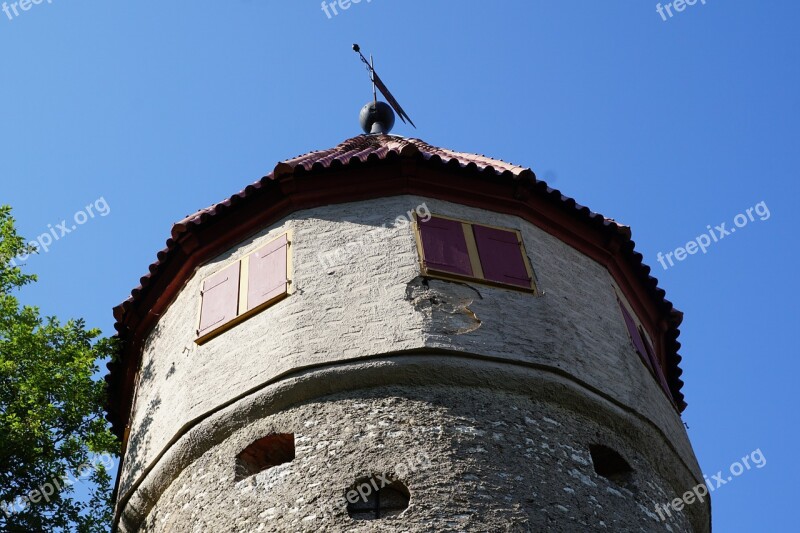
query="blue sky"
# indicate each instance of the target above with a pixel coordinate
(667, 126)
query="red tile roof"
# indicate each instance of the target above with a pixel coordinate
(367, 148)
(360, 151)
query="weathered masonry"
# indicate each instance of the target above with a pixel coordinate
(390, 336)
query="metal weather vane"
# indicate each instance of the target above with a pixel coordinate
(378, 83)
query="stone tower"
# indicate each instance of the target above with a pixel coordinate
(390, 336)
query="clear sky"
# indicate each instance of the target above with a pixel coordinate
(149, 111)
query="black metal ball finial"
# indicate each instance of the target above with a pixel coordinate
(376, 117)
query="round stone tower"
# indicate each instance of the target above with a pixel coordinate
(390, 336)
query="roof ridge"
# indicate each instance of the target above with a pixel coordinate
(361, 147)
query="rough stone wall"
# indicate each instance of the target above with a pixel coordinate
(473, 460)
(377, 304)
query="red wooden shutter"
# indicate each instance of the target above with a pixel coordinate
(220, 297)
(267, 277)
(501, 256)
(444, 246)
(659, 370)
(636, 338)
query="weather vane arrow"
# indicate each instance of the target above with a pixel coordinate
(378, 83)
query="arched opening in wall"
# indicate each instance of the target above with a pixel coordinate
(376, 496)
(272, 450)
(610, 464)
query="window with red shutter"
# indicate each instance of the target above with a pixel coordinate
(659, 370)
(645, 350)
(455, 248)
(243, 288)
(501, 256)
(220, 299)
(444, 246)
(636, 338)
(267, 273)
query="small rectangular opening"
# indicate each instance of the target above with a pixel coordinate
(272, 450)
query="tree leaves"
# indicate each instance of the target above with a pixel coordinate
(51, 410)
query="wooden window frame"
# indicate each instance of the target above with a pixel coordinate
(218, 295)
(660, 368)
(656, 368)
(645, 356)
(244, 270)
(474, 257)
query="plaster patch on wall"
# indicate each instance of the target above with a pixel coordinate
(445, 304)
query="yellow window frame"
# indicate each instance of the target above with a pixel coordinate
(244, 270)
(474, 258)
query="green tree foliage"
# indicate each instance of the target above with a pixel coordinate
(53, 435)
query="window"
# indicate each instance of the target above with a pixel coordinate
(652, 354)
(265, 453)
(267, 276)
(643, 347)
(610, 464)
(636, 337)
(244, 288)
(220, 294)
(454, 249)
(371, 498)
